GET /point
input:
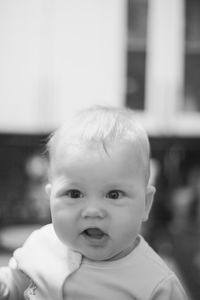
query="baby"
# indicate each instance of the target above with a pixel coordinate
(99, 197)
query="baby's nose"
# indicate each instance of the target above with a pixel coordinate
(92, 211)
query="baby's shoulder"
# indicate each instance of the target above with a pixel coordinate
(43, 235)
(45, 232)
(151, 260)
(41, 241)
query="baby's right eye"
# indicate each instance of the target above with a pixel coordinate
(74, 194)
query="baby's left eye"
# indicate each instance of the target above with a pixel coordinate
(115, 194)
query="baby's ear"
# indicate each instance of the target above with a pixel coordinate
(48, 189)
(150, 192)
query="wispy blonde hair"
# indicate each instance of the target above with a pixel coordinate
(103, 126)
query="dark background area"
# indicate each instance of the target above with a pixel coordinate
(19, 178)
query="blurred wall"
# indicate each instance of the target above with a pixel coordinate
(57, 56)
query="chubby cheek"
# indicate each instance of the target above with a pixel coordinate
(64, 230)
(59, 210)
(128, 224)
(64, 223)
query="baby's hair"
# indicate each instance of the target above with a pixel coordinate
(102, 126)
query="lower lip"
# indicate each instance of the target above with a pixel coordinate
(96, 241)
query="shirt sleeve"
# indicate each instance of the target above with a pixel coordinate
(15, 280)
(169, 289)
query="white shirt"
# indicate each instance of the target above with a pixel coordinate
(46, 269)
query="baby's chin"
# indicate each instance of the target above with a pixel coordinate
(98, 256)
(106, 255)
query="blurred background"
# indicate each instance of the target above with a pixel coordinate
(57, 56)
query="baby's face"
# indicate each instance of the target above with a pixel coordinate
(99, 200)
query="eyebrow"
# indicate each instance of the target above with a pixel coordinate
(63, 182)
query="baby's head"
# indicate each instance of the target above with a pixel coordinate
(102, 128)
(99, 174)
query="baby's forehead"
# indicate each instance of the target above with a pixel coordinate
(97, 151)
(96, 147)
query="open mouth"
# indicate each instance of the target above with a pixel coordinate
(94, 233)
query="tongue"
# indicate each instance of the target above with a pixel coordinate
(94, 233)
